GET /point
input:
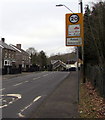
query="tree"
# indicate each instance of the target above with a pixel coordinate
(90, 53)
(33, 54)
(31, 50)
(94, 44)
(94, 27)
(42, 59)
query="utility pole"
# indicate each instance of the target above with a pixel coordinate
(81, 6)
(83, 67)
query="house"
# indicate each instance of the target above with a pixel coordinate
(13, 59)
(58, 65)
(22, 58)
(8, 57)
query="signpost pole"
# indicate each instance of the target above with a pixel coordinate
(74, 33)
(81, 5)
(0, 79)
(74, 36)
(83, 67)
(78, 72)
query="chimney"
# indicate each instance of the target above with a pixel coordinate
(3, 39)
(18, 46)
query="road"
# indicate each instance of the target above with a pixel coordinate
(23, 94)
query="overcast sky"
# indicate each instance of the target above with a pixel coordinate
(36, 23)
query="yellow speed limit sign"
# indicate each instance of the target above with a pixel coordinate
(74, 29)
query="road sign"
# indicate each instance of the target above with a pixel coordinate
(74, 18)
(74, 41)
(74, 29)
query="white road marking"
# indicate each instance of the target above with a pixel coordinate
(36, 78)
(45, 75)
(4, 100)
(2, 89)
(3, 106)
(18, 96)
(13, 98)
(18, 84)
(40, 77)
(26, 81)
(20, 115)
(14, 95)
(36, 99)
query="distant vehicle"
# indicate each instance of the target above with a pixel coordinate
(71, 67)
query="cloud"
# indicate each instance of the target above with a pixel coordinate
(35, 23)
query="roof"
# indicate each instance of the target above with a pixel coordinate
(1, 46)
(14, 47)
(54, 61)
(18, 49)
(57, 63)
(4, 45)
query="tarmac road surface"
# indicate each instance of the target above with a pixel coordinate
(21, 95)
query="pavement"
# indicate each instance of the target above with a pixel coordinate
(62, 103)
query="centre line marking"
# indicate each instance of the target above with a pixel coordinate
(45, 75)
(36, 78)
(2, 89)
(17, 84)
(26, 81)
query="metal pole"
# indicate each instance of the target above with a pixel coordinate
(68, 8)
(83, 67)
(64, 6)
(0, 79)
(78, 72)
(81, 6)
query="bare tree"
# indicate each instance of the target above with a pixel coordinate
(31, 50)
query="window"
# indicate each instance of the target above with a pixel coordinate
(6, 55)
(9, 55)
(12, 55)
(5, 62)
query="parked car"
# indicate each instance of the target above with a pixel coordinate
(72, 68)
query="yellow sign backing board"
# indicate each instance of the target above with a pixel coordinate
(74, 29)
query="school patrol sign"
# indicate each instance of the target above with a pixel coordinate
(74, 29)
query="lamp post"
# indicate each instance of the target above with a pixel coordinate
(60, 5)
(76, 51)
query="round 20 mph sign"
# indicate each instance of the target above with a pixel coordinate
(74, 18)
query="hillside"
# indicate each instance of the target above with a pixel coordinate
(64, 57)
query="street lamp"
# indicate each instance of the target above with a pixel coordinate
(60, 5)
(77, 46)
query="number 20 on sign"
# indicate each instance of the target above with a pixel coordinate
(74, 29)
